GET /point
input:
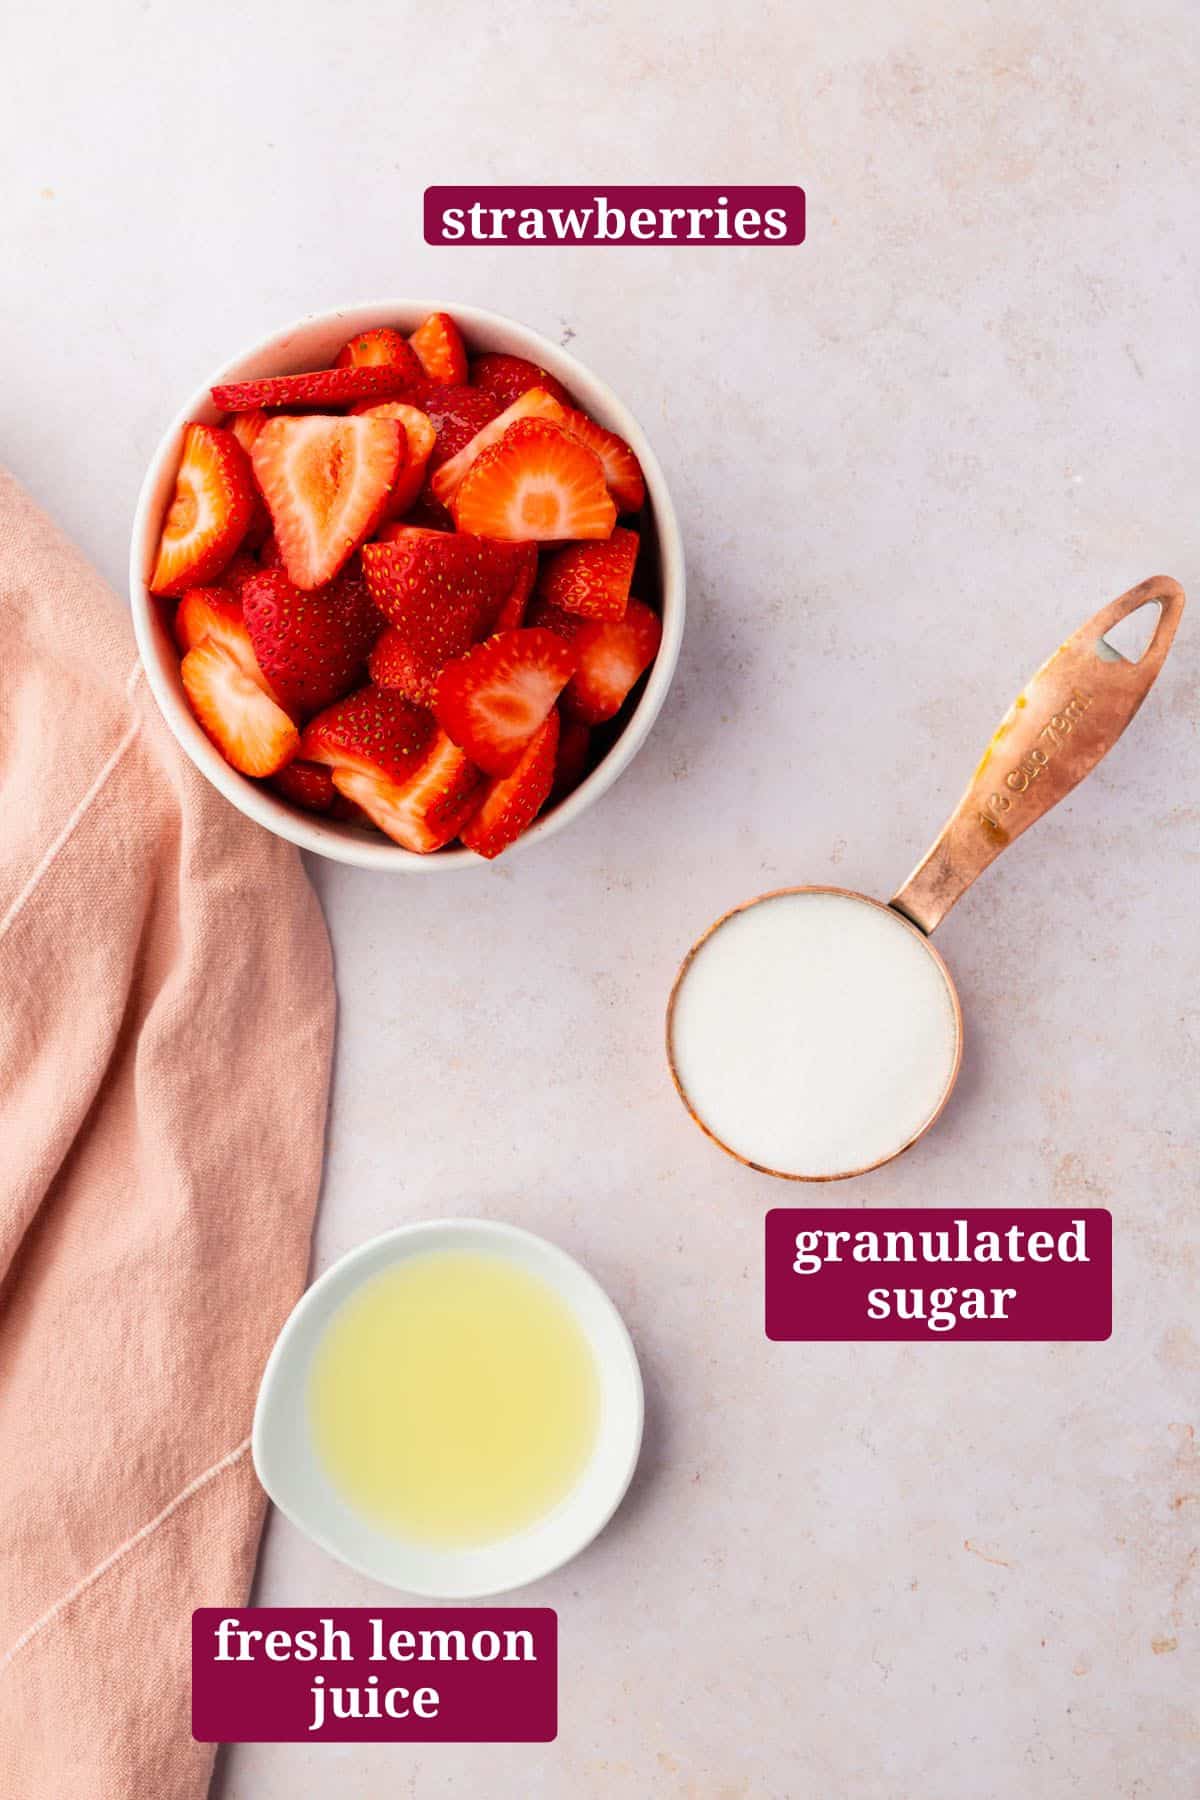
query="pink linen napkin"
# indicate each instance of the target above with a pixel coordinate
(166, 1016)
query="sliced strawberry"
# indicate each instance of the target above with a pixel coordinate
(318, 387)
(210, 510)
(306, 784)
(493, 699)
(326, 481)
(511, 804)
(612, 655)
(622, 470)
(506, 378)
(420, 439)
(372, 730)
(253, 734)
(311, 643)
(270, 556)
(537, 484)
(440, 349)
(440, 593)
(535, 404)
(458, 413)
(382, 348)
(591, 579)
(429, 807)
(215, 613)
(570, 764)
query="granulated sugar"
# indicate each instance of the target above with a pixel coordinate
(814, 1033)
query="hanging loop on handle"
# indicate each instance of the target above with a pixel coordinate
(1064, 720)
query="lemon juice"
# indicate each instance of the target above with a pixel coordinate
(453, 1398)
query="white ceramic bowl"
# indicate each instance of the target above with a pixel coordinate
(312, 343)
(289, 1469)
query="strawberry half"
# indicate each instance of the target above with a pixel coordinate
(311, 643)
(318, 387)
(511, 804)
(493, 699)
(429, 807)
(571, 761)
(440, 594)
(372, 730)
(537, 484)
(306, 784)
(210, 510)
(506, 378)
(612, 655)
(420, 441)
(535, 404)
(458, 414)
(382, 348)
(591, 579)
(216, 613)
(622, 470)
(440, 350)
(253, 734)
(327, 482)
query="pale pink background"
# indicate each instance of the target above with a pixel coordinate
(908, 457)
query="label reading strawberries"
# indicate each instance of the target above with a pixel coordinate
(617, 215)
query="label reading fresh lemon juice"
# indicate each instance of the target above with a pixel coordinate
(453, 1398)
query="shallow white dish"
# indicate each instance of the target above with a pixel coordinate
(288, 1467)
(312, 343)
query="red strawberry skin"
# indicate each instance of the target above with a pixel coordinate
(457, 413)
(506, 378)
(382, 348)
(320, 387)
(372, 730)
(511, 804)
(591, 579)
(311, 644)
(440, 594)
(493, 700)
(306, 784)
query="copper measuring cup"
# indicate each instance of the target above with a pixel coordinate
(1066, 718)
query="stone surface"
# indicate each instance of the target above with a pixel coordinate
(908, 457)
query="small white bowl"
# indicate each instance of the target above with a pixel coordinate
(312, 343)
(291, 1472)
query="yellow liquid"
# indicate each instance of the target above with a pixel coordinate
(453, 1398)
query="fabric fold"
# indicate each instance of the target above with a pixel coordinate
(166, 1022)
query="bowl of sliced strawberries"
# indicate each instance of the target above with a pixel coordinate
(407, 585)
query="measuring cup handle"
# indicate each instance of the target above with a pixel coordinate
(1061, 724)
